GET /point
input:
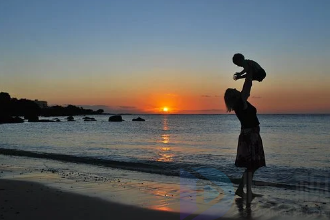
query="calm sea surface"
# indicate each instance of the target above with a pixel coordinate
(296, 146)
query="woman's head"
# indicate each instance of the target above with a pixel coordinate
(231, 97)
(238, 59)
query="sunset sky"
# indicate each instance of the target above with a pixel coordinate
(140, 56)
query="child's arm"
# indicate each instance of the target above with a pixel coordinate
(240, 75)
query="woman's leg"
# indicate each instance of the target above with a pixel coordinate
(249, 187)
(240, 188)
(240, 191)
(249, 193)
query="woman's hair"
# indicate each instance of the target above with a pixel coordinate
(238, 58)
(231, 97)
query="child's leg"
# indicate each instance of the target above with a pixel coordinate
(260, 75)
(249, 75)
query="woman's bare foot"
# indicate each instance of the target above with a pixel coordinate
(240, 193)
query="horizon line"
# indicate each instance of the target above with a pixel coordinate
(211, 114)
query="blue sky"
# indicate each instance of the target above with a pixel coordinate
(45, 41)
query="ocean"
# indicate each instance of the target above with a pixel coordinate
(296, 146)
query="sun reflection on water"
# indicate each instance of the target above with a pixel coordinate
(165, 154)
(165, 123)
(165, 138)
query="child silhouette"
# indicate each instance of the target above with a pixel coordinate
(251, 69)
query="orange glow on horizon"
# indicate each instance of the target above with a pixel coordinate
(274, 96)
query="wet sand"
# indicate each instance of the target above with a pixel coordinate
(43, 189)
(28, 200)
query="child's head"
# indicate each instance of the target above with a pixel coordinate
(238, 59)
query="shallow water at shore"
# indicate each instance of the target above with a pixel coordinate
(165, 143)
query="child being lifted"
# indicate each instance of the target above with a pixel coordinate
(251, 69)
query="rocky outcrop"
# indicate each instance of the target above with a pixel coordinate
(32, 118)
(5, 120)
(116, 118)
(89, 119)
(70, 118)
(17, 120)
(138, 119)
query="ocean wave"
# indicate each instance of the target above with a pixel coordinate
(168, 168)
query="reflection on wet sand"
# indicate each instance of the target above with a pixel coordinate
(244, 213)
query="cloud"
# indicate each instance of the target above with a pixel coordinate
(206, 96)
(256, 97)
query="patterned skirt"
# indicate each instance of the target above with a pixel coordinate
(250, 151)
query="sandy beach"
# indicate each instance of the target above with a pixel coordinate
(28, 200)
(45, 189)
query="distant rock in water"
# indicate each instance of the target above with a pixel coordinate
(32, 118)
(138, 119)
(116, 118)
(36, 119)
(17, 120)
(70, 118)
(5, 120)
(89, 119)
(45, 120)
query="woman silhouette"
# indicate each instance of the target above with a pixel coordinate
(250, 152)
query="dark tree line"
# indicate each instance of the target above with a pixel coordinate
(11, 109)
(68, 110)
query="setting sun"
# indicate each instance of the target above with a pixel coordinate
(165, 109)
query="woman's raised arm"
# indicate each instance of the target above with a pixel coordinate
(246, 89)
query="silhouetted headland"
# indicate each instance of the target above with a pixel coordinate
(12, 109)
